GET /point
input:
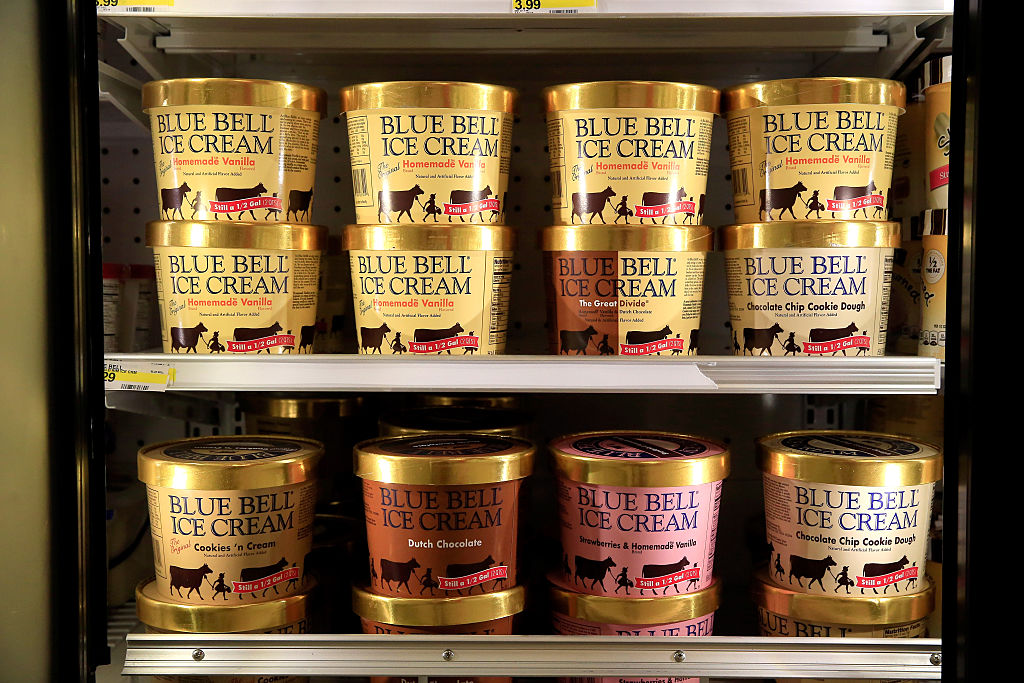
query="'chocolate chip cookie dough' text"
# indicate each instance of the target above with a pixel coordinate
(426, 289)
(632, 150)
(228, 287)
(234, 148)
(848, 509)
(809, 287)
(429, 149)
(624, 290)
(230, 515)
(822, 147)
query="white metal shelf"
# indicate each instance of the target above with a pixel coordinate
(881, 35)
(549, 374)
(721, 8)
(534, 656)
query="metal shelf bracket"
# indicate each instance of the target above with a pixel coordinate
(533, 656)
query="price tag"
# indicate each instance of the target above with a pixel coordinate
(131, 5)
(123, 376)
(553, 6)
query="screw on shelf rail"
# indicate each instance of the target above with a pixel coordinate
(448, 655)
(936, 658)
(198, 655)
(679, 656)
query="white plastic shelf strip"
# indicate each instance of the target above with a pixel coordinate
(326, 8)
(548, 374)
(533, 656)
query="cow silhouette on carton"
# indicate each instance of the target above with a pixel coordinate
(397, 200)
(660, 199)
(779, 198)
(576, 340)
(654, 571)
(592, 203)
(875, 569)
(171, 199)
(398, 572)
(846, 192)
(372, 338)
(192, 579)
(456, 571)
(232, 194)
(806, 568)
(468, 196)
(250, 574)
(592, 570)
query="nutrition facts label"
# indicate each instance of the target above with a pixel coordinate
(556, 154)
(739, 160)
(359, 150)
(501, 278)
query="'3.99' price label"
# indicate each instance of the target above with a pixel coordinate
(553, 6)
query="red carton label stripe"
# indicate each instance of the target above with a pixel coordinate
(652, 347)
(664, 209)
(886, 579)
(492, 204)
(668, 579)
(457, 583)
(938, 177)
(260, 344)
(858, 342)
(292, 573)
(855, 203)
(444, 344)
(246, 204)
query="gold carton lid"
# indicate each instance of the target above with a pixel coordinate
(641, 611)
(248, 92)
(423, 237)
(810, 234)
(493, 401)
(634, 94)
(453, 420)
(444, 459)
(639, 458)
(874, 610)
(236, 235)
(221, 463)
(849, 458)
(627, 238)
(830, 90)
(301, 406)
(428, 95)
(469, 609)
(157, 612)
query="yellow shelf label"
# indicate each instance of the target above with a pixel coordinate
(553, 6)
(114, 4)
(123, 376)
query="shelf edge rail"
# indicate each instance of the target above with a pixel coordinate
(533, 656)
(725, 374)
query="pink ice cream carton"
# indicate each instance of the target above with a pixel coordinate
(639, 511)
